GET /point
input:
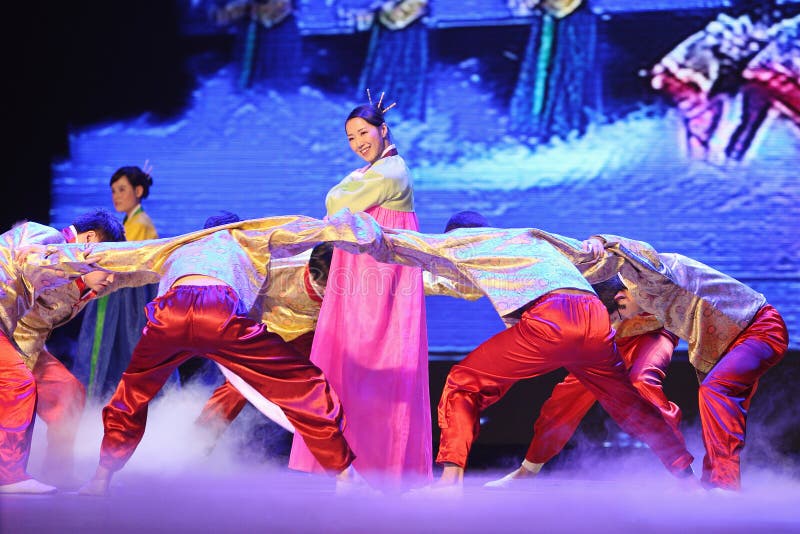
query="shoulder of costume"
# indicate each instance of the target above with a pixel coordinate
(32, 232)
(393, 167)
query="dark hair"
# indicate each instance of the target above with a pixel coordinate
(101, 221)
(371, 114)
(466, 219)
(320, 262)
(606, 290)
(224, 217)
(136, 176)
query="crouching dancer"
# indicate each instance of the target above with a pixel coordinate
(734, 337)
(207, 286)
(646, 349)
(47, 387)
(555, 320)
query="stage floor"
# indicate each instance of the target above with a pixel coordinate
(271, 499)
(173, 483)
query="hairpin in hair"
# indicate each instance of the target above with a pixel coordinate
(380, 101)
(147, 168)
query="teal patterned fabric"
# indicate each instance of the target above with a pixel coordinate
(121, 328)
(397, 63)
(555, 89)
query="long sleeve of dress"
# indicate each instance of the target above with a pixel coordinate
(386, 184)
(510, 266)
(149, 256)
(440, 286)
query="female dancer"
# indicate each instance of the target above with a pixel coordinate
(112, 324)
(371, 339)
(129, 186)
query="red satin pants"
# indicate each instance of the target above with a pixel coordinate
(17, 410)
(61, 401)
(646, 357)
(203, 320)
(226, 402)
(52, 393)
(726, 392)
(559, 330)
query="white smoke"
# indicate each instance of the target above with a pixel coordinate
(172, 444)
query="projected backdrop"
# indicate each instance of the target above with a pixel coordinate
(676, 123)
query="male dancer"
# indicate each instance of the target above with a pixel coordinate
(60, 396)
(734, 337)
(289, 307)
(209, 281)
(555, 320)
(646, 349)
(50, 389)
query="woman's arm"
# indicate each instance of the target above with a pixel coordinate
(386, 181)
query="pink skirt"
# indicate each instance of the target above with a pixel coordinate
(372, 344)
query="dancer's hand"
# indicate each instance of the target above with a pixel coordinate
(21, 254)
(594, 246)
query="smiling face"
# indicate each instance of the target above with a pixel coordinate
(366, 140)
(124, 196)
(626, 306)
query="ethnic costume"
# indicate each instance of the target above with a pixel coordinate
(371, 338)
(112, 324)
(188, 320)
(289, 308)
(771, 81)
(20, 287)
(704, 71)
(61, 397)
(139, 226)
(734, 337)
(646, 350)
(555, 321)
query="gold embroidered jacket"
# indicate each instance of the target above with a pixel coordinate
(21, 279)
(237, 253)
(58, 306)
(512, 266)
(704, 307)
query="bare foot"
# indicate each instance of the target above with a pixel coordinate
(527, 470)
(29, 486)
(94, 488)
(99, 483)
(449, 485)
(350, 482)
